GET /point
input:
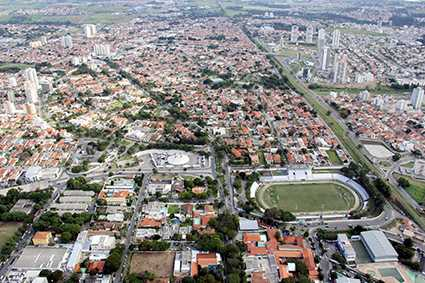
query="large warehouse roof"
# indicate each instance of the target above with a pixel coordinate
(378, 244)
(41, 258)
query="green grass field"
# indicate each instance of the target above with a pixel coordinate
(333, 157)
(416, 189)
(7, 230)
(307, 197)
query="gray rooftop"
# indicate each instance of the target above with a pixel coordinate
(35, 258)
(248, 225)
(378, 244)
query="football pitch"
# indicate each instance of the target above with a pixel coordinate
(307, 197)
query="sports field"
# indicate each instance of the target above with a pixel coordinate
(307, 197)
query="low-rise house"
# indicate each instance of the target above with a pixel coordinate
(42, 238)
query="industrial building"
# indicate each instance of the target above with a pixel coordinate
(36, 258)
(378, 246)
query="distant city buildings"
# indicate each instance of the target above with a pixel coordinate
(321, 39)
(417, 98)
(335, 39)
(30, 74)
(90, 30)
(294, 34)
(323, 58)
(309, 34)
(67, 41)
(102, 50)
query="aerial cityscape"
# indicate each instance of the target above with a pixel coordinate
(203, 141)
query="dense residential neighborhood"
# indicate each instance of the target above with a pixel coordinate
(212, 141)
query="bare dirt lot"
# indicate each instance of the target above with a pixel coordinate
(159, 263)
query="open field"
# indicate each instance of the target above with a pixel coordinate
(307, 197)
(7, 230)
(333, 157)
(416, 189)
(159, 263)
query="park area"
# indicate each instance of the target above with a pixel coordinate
(307, 197)
(7, 230)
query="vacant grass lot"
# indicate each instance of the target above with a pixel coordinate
(416, 189)
(7, 230)
(307, 197)
(333, 157)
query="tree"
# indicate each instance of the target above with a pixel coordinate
(408, 242)
(56, 276)
(113, 261)
(225, 224)
(396, 157)
(339, 258)
(209, 243)
(403, 182)
(66, 237)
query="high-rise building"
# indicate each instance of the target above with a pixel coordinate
(417, 98)
(335, 68)
(43, 40)
(30, 109)
(400, 105)
(102, 50)
(67, 41)
(30, 74)
(335, 39)
(324, 58)
(321, 39)
(9, 104)
(378, 101)
(46, 86)
(344, 64)
(12, 82)
(90, 30)
(30, 92)
(364, 95)
(294, 34)
(309, 34)
(75, 61)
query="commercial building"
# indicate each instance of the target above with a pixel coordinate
(346, 248)
(378, 246)
(39, 258)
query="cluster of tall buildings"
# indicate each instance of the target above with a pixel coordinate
(102, 50)
(296, 34)
(401, 105)
(32, 86)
